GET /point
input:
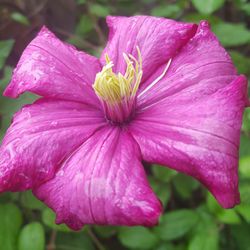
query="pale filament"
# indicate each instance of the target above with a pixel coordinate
(156, 80)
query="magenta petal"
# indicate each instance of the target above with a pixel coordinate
(199, 137)
(103, 182)
(50, 68)
(40, 137)
(157, 38)
(199, 69)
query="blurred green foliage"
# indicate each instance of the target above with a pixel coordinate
(193, 220)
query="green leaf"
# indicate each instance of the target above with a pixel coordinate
(246, 8)
(241, 235)
(105, 231)
(185, 185)
(137, 237)
(244, 192)
(244, 167)
(20, 18)
(212, 204)
(165, 246)
(232, 34)
(73, 241)
(241, 62)
(5, 49)
(49, 217)
(32, 237)
(243, 210)
(246, 127)
(166, 10)
(205, 240)
(10, 106)
(162, 173)
(197, 17)
(206, 234)
(6, 78)
(244, 145)
(207, 6)
(223, 215)
(30, 201)
(5, 197)
(176, 224)
(229, 216)
(180, 247)
(11, 220)
(162, 190)
(99, 10)
(84, 26)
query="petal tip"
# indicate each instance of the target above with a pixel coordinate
(10, 91)
(228, 201)
(44, 33)
(153, 215)
(147, 213)
(110, 20)
(204, 24)
(203, 28)
(44, 29)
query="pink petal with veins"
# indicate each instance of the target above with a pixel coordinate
(102, 182)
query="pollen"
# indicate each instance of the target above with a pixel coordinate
(117, 91)
(115, 88)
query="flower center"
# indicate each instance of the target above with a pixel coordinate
(117, 92)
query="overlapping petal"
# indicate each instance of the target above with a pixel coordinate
(157, 38)
(190, 120)
(50, 68)
(198, 70)
(102, 182)
(40, 137)
(199, 137)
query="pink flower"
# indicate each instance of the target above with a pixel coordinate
(163, 91)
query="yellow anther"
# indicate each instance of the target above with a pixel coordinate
(116, 88)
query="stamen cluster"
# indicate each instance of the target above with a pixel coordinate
(117, 92)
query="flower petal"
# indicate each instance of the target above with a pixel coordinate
(199, 137)
(103, 182)
(40, 137)
(50, 68)
(201, 68)
(157, 38)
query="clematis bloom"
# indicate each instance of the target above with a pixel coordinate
(163, 91)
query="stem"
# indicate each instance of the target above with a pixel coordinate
(38, 9)
(97, 28)
(95, 239)
(99, 31)
(52, 242)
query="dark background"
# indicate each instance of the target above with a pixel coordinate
(192, 220)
